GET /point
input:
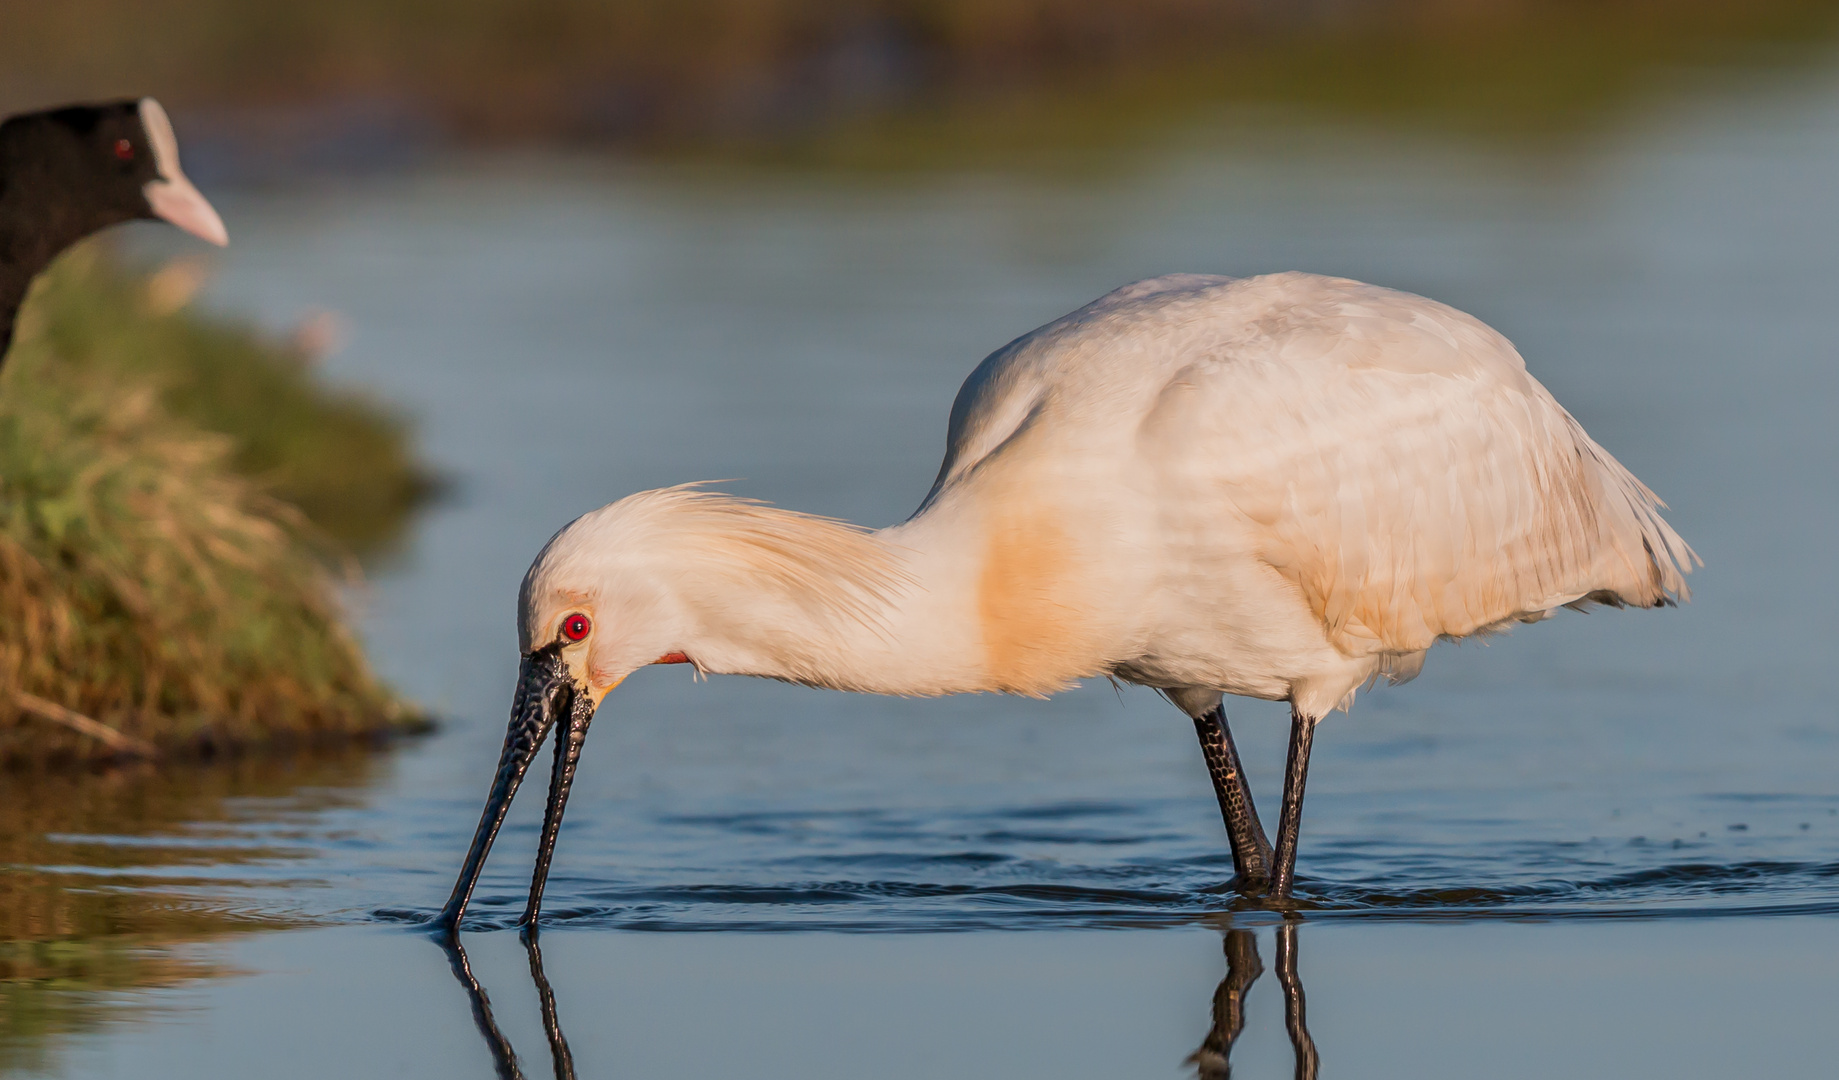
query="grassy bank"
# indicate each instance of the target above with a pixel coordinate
(154, 575)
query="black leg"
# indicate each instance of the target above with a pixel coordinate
(1213, 1061)
(1290, 821)
(1295, 1011)
(1251, 852)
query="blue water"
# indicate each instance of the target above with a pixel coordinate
(566, 331)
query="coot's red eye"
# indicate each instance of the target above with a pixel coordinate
(124, 149)
(576, 626)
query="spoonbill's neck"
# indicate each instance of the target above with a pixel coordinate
(970, 595)
(955, 600)
(889, 614)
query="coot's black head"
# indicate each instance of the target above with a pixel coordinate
(65, 173)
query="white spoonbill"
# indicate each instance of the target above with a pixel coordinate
(1281, 487)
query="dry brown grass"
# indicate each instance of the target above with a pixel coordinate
(144, 581)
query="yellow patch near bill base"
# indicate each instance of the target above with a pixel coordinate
(601, 695)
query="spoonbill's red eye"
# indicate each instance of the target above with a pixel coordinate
(576, 626)
(124, 149)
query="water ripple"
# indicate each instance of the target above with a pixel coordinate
(1156, 896)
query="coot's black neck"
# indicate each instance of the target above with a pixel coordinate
(21, 258)
(43, 210)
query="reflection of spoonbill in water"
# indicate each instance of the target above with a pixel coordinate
(504, 1058)
(1281, 487)
(1213, 1061)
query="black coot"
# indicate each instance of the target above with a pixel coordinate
(66, 173)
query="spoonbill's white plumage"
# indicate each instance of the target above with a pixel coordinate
(1280, 487)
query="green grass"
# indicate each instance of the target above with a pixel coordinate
(340, 458)
(153, 573)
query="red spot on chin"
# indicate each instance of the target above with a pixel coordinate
(672, 658)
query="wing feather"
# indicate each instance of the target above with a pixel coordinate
(1399, 465)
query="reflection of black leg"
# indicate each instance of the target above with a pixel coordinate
(1290, 820)
(552, 1027)
(504, 1059)
(1295, 1012)
(1251, 852)
(1213, 1061)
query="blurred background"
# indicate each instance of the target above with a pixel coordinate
(495, 264)
(279, 87)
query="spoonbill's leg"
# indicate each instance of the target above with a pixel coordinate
(1295, 1013)
(1213, 1061)
(1251, 852)
(1290, 820)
